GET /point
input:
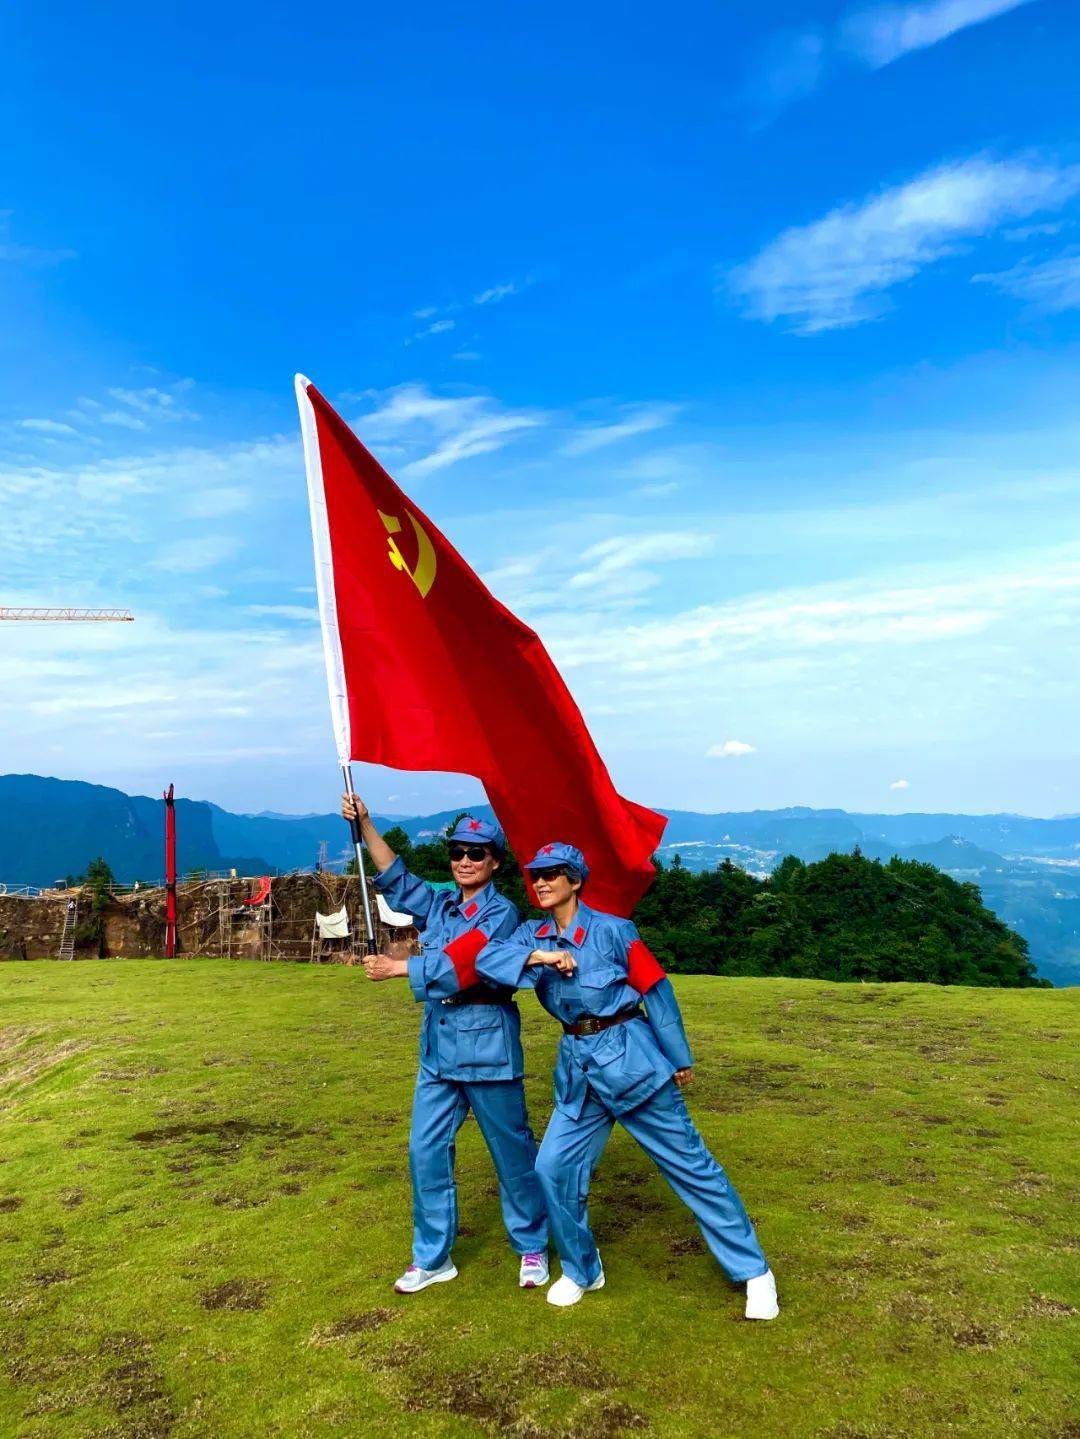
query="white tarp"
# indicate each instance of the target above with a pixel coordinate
(391, 916)
(333, 926)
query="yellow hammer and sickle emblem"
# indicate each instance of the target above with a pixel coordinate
(423, 576)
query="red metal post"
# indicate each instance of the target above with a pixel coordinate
(170, 874)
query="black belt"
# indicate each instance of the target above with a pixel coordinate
(591, 1024)
(482, 996)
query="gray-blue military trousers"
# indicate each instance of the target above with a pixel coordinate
(662, 1125)
(439, 1110)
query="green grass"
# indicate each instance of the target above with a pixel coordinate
(204, 1200)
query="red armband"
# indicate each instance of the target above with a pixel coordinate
(643, 968)
(462, 953)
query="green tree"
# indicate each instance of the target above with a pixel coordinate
(844, 917)
(99, 877)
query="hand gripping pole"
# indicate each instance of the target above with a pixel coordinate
(358, 846)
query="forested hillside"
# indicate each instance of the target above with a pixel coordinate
(50, 828)
(844, 917)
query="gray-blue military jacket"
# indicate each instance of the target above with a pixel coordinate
(458, 1040)
(624, 1065)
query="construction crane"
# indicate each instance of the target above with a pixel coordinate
(10, 612)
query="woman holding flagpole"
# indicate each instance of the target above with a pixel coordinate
(470, 1048)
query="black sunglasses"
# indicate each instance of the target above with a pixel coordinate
(551, 871)
(475, 852)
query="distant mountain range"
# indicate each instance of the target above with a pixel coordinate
(1028, 869)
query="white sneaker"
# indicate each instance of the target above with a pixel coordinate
(414, 1279)
(533, 1272)
(761, 1302)
(566, 1291)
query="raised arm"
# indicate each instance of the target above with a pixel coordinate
(646, 975)
(354, 808)
(404, 891)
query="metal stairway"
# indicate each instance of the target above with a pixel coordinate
(71, 923)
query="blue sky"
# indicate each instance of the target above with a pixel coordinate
(738, 352)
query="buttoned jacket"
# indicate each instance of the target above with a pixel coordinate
(460, 1041)
(615, 972)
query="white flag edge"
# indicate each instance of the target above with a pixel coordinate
(324, 573)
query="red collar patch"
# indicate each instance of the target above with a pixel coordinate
(543, 931)
(470, 910)
(579, 934)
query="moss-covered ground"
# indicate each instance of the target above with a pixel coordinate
(204, 1200)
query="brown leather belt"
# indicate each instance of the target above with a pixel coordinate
(593, 1025)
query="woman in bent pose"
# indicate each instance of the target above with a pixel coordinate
(616, 1061)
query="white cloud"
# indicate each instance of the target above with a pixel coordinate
(804, 623)
(225, 691)
(1019, 233)
(122, 418)
(792, 64)
(152, 400)
(135, 409)
(462, 426)
(119, 697)
(437, 327)
(640, 421)
(658, 491)
(48, 427)
(480, 437)
(566, 575)
(899, 784)
(1052, 285)
(624, 555)
(492, 295)
(496, 293)
(730, 749)
(880, 34)
(837, 271)
(403, 408)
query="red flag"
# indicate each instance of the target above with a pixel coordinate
(428, 671)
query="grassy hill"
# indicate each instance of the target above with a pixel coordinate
(204, 1198)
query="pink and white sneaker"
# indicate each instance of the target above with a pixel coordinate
(533, 1272)
(414, 1279)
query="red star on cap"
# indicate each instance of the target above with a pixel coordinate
(547, 849)
(474, 824)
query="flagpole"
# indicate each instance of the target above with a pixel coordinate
(354, 826)
(335, 665)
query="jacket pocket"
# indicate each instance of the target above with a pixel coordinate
(597, 975)
(481, 1038)
(620, 1069)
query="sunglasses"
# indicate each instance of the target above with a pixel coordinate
(553, 871)
(475, 852)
